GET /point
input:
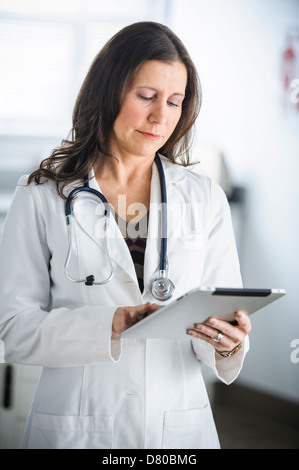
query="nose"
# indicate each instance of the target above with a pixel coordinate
(158, 114)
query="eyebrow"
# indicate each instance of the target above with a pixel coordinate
(154, 89)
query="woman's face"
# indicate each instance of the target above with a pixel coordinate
(150, 110)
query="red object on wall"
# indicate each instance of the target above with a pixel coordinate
(290, 72)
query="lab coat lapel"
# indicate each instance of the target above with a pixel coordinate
(152, 251)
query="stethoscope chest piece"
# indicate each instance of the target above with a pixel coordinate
(162, 288)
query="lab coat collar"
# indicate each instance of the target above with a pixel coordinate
(173, 173)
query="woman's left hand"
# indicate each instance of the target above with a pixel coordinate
(221, 334)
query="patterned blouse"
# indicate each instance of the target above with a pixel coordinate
(135, 235)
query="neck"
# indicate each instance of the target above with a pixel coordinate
(124, 170)
(128, 178)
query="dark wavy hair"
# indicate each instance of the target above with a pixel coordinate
(100, 98)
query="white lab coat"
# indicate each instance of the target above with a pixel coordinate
(95, 392)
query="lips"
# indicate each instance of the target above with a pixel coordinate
(150, 135)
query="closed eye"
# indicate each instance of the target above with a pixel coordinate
(172, 104)
(149, 98)
(145, 98)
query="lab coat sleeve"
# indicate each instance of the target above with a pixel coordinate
(32, 332)
(226, 369)
(221, 269)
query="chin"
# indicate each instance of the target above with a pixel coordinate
(149, 151)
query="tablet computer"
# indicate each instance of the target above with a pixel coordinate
(172, 320)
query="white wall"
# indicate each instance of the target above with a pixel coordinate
(237, 47)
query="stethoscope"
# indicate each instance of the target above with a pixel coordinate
(162, 288)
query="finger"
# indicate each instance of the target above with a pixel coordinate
(128, 320)
(243, 321)
(143, 307)
(226, 328)
(237, 329)
(207, 330)
(148, 307)
(225, 344)
(154, 308)
(143, 310)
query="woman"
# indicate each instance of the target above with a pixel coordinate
(141, 96)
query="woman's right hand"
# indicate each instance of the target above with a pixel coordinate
(124, 317)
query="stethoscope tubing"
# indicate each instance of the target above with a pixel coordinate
(163, 253)
(89, 280)
(85, 188)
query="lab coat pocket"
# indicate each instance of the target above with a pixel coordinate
(189, 429)
(70, 432)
